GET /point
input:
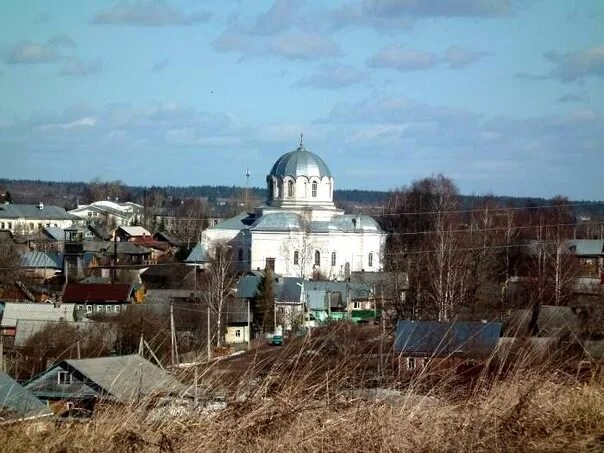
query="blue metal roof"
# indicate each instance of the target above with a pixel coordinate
(442, 339)
(239, 222)
(39, 260)
(586, 247)
(300, 163)
(34, 212)
(18, 401)
(278, 221)
(199, 254)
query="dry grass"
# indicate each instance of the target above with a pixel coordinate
(312, 398)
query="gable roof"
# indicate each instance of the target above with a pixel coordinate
(18, 402)
(17, 311)
(96, 292)
(198, 254)
(125, 377)
(135, 231)
(54, 233)
(444, 339)
(38, 260)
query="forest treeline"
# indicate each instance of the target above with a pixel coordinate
(68, 194)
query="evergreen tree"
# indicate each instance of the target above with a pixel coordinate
(264, 303)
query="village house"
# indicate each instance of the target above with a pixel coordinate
(109, 212)
(132, 233)
(13, 313)
(110, 298)
(421, 343)
(77, 385)
(27, 218)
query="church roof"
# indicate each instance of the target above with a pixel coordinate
(300, 163)
(290, 221)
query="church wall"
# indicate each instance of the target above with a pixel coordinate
(353, 248)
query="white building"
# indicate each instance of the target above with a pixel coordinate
(107, 211)
(299, 231)
(28, 218)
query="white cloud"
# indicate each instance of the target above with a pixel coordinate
(76, 67)
(148, 13)
(402, 59)
(334, 76)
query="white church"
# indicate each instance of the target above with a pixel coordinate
(299, 232)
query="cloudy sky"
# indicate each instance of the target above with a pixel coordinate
(503, 96)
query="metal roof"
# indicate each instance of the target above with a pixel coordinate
(55, 233)
(586, 247)
(125, 377)
(239, 222)
(39, 260)
(198, 254)
(27, 328)
(122, 378)
(285, 289)
(444, 339)
(97, 292)
(33, 212)
(317, 300)
(358, 291)
(300, 163)
(135, 231)
(17, 311)
(18, 402)
(278, 221)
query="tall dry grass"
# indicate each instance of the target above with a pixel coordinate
(333, 393)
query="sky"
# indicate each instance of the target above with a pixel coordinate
(505, 97)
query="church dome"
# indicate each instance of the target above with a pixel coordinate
(300, 163)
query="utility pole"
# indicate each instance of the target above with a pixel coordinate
(209, 345)
(78, 347)
(174, 348)
(2, 367)
(249, 333)
(247, 183)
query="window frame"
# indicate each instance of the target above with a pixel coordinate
(290, 189)
(296, 258)
(334, 259)
(370, 259)
(317, 258)
(64, 378)
(314, 189)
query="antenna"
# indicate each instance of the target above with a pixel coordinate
(301, 140)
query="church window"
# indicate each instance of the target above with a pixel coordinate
(290, 189)
(296, 258)
(317, 258)
(333, 258)
(314, 189)
(370, 260)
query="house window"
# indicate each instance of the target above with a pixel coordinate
(296, 258)
(238, 333)
(10, 225)
(100, 308)
(411, 363)
(356, 305)
(370, 260)
(88, 308)
(64, 378)
(2, 225)
(314, 189)
(290, 189)
(317, 258)
(333, 258)
(31, 226)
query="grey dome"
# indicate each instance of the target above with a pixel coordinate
(300, 163)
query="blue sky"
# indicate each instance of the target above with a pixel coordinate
(503, 96)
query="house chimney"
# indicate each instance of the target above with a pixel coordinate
(40, 205)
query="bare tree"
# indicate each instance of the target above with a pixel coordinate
(220, 281)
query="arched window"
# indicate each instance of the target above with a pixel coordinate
(370, 260)
(333, 258)
(296, 258)
(314, 189)
(317, 258)
(290, 189)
